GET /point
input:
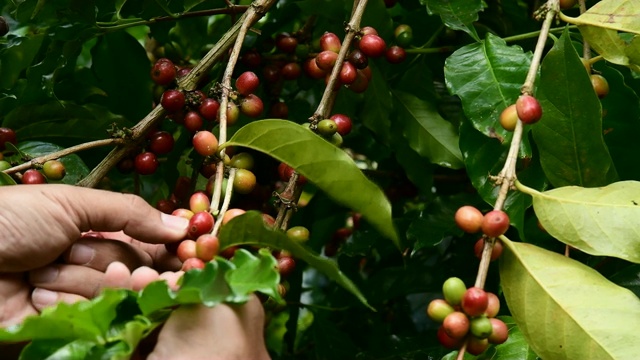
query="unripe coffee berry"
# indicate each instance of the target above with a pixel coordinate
(453, 290)
(438, 310)
(600, 85)
(299, 234)
(469, 219)
(54, 170)
(205, 143)
(207, 247)
(231, 214)
(244, 181)
(327, 127)
(481, 327)
(509, 118)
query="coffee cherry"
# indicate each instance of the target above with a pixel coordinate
(567, 4)
(477, 346)
(358, 59)
(395, 55)
(499, 333)
(493, 305)
(299, 234)
(286, 43)
(205, 143)
(230, 214)
(495, 223)
(438, 310)
(183, 213)
(330, 42)
(172, 100)
(251, 106)
(146, 163)
(183, 71)
(271, 73)
(372, 45)
(495, 253)
(4, 165)
(343, 122)
(251, 59)
(286, 265)
(4, 26)
(163, 72)
(446, 340)
(161, 143)
(244, 181)
(509, 118)
(7, 135)
(33, 176)
(481, 327)
(193, 121)
(475, 301)
(348, 73)
(165, 206)
(327, 127)
(209, 109)
(528, 109)
(207, 247)
(453, 290)
(242, 160)
(233, 113)
(404, 35)
(312, 70)
(192, 263)
(469, 219)
(199, 202)
(54, 170)
(456, 325)
(368, 30)
(336, 139)
(268, 220)
(201, 223)
(186, 250)
(279, 110)
(361, 84)
(247, 83)
(285, 171)
(325, 60)
(600, 85)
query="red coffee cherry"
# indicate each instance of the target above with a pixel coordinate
(475, 301)
(372, 45)
(361, 84)
(165, 206)
(192, 263)
(469, 219)
(161, 143)
(193, 121)
(163, 72)
(186, 250)
(368, 30)
(358, 59)
(456, 325)
(312, 70)
(205, 143)
(209, 109)
(172, 100)
(343, 122)
(528, 109)
(493, 305)
(498, 247)
(286, 265)
(279, 110)
(207, 247)
(271, 73)
(326, 59)
(146, 163)
(285, 171)
(286, 43)
(567, 4)
(477, 346)
(446, 340)
(330, 42)
(184, 213)
(509, 118)
(348, 73)
(500, 332)
(247, 83)
(33, 177)
(251, 59)
(201, 223)
(395, 55)
(495, 223)
(7, 135)
(230, 214)
(251, 106)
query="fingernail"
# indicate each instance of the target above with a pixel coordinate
(81, 254)
(44, 275)
(42, 297)
(175, 222)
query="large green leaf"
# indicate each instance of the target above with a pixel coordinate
(457, 14)
(619, 15)
(376, 110)
(487, 76)
(327, 166)
(567, 310)
(427, 132)
(610, 45)
(598, 221)
(569, 135)
(249, 228)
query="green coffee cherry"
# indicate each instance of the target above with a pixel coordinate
(299, 234)
(327, 127)
(242, 160)
(453, 290)
(481, 327)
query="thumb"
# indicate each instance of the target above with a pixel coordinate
(101, 210)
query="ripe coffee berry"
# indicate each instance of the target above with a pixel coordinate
(499, 333)
(326, 59)
(600, 85)
(361, 84)
(207, 247)
(198, 202)
(4, 26)
(327, 127)
(528, 109)
(230, 214)
(348, 73)
(271, 73)
(161, 143)
(186, 250)
(251, 59)
(456, 325)
(498, 247)
(453, 290)
(54, 170)
(244, 181)
(193, 121)
(493, 305)
(205, 143)
(567, 4)
(475, 301)
(469, 219)
(209, 109)
(509, 118)
(358, 59)
(330, 42)
(33, 176)
(163, 72)
(446, 340)
(242, 160)
(438, 310)
(146, 163)
(7, 135)
(312, 70)
(343, 122)
(251, 106)
(368, 30)
(286, 265)
(247, 83)
(286, 43)
(172, 100)
(184, 213)
(285, 171)
(165, 206)
(495, 223)
(477, 346)
(279, 110)
(372, 45)
(192, 263)
(201, 223)
(395, 55)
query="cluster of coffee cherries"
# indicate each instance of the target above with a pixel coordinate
(527, 109)
(333, 128)
(51, 169)
(467, 315)
(492, 224)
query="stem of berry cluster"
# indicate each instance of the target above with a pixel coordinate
(225, 204)
(586, 49)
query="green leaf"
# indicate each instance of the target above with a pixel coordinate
(598, 221)
(619, 15)
(6, 179)
(457, 14)
(376, 110)
(427, 132)
(569, 135)
(15, 56)
(325, 165)
(567, 310)
(487, 76)
(249, 228)
(608, 43)
(74, 166)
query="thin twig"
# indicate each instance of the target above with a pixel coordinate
(227, 200)
(586, 49)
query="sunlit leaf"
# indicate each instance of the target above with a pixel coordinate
(619, 15)
(457, 14)
(325, 165)
(567, 310)
(569, 135)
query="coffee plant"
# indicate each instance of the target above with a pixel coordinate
(398, 179)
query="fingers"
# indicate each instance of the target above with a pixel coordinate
(99, 253)
(42, 298)
(73, 279)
